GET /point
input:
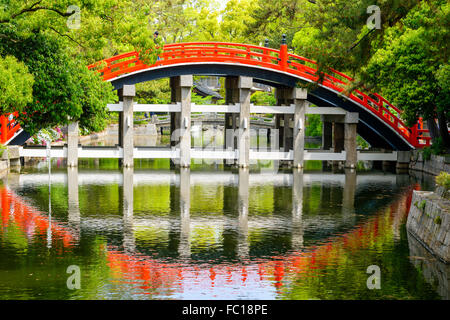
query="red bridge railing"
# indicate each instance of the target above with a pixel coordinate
(8, 126)
(281, 60)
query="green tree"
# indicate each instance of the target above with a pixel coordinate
(236, 18)
(412, 68)
(16, 85)
(64, 89)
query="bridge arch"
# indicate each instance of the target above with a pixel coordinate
(379, 121)
(373, 129)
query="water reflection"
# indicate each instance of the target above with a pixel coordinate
(202, 235)
(184, 249)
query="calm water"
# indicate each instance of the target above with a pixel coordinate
(210, 233)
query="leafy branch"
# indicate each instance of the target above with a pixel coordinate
(33, 8)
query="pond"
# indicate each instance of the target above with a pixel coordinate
(209, 233)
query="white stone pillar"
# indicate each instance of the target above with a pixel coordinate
(129, 92)
(245, 84)
(351, 122)
(231, 98)
(185, 118)
(180, 122)
(72, 144)
(299, 96)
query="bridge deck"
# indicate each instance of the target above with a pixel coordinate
(197, 153)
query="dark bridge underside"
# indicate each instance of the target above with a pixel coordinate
(374, 130)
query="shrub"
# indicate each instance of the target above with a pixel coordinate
(261, 98)
(443, 179)
(2, 149)
(422, 205)
(438, 220)
(438, 146)
(426, 153)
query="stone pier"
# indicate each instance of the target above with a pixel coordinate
(126, 130)
(299, 96)
(72, 144)
(244, 84)
(344, 136)
(180, 122)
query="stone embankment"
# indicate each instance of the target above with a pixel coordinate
(433, 166)
(429, 222)
(9, 157)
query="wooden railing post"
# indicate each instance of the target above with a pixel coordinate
(283, 54)
(4, 129)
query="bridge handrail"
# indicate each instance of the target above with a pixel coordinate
(280, 60)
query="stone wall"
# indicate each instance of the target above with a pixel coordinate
(429, 222)
(435, 272)
(434, 166)
(10, 157)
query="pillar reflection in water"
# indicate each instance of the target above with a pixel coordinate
(349, 192)
(73, 203)
(128, 221)
(184, 247)
(49, 230)
(297, 209)
(243, 193)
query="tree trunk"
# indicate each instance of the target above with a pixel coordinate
(433, 129)
(443, 130)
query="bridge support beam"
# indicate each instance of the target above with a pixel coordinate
(338, 137)
(344, 136)
(284, 97)
(327, 135)
(180, 122)
(299, 96)
(403, 159)
(245, 84)
(231, 119)
(72, 144)
(126, 132)
(351, 122)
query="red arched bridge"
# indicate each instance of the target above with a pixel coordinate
(379, 121)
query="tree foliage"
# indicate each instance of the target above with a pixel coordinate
(64, 89)
(16, 85)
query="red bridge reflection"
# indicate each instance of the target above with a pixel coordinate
(31, 221)
(148, 275)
